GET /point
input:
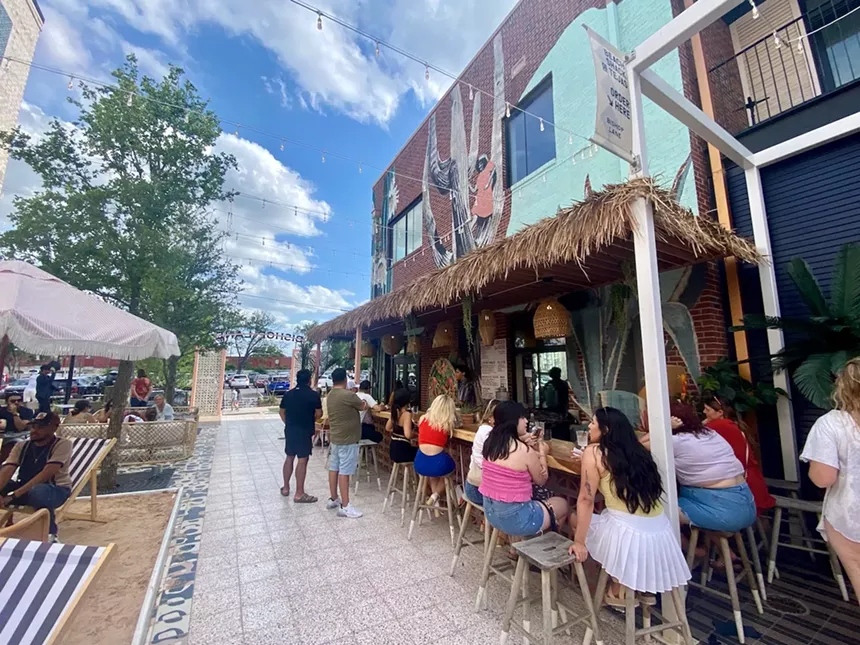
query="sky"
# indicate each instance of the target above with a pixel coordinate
(264, 64)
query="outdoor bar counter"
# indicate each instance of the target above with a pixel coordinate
(563, 470)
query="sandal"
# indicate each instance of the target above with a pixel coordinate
(305, 499)
(285, 491)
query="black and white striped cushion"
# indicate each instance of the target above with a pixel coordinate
(84, 453)
(38, 582)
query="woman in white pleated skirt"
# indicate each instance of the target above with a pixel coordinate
(632, 538)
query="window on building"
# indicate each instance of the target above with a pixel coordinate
(5, 30)
(406, 232)
(528, 146)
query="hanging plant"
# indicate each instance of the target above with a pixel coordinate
(467, 323)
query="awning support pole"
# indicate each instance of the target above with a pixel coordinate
(357, 376)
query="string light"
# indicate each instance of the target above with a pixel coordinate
(800, 45)
(319, 20)
(570, 139)
(776, 40)
(426, 72)
(323, 156)
(541, 125)
(507, 110)
(471, 93)
(377, 49)
(282, 145)
(755, 12)
(71, 84)
(359, 167)
(236, 131)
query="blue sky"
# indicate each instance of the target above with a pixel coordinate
(264, 64)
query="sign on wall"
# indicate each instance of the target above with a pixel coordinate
(613, 128)
(494, 368)
(269, 335)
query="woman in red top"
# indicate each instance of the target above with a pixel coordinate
(140, 389)
(431, 460)
(722, 419)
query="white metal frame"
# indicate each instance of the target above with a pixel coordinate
(644, 81)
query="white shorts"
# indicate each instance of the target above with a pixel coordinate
(343, 459)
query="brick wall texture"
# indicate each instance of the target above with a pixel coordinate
(26, 26)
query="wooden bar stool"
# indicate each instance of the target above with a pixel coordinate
(549, 553)
(366, 446)
(461, 539)
(392, 490)
(801, 506)
(503, 570)
(722, 539)
(632, 599)
(450, 507)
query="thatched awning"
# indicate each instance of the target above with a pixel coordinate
(581, 247)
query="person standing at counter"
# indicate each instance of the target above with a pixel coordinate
(368, 429)
(399, 425)
(434, 431)
(345, 424)
(467, 393)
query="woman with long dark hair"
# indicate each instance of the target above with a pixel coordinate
(510, 467)
(723, 419)
(632, 538)
(399, 425)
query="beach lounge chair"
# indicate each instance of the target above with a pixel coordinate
(87, 457)
(41, 587)
(32, 527)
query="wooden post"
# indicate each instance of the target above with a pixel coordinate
(4, 350)
(357, 376)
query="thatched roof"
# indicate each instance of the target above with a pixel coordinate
(585, 243)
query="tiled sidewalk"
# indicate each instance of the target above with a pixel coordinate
(271, 571)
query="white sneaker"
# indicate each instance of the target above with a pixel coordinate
(349, 511)
(332, 504)
(53, 539)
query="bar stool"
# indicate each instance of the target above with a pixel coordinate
(549, 553)
(632, 599)
(722, 539)
(450, 507)
(802, 506)
(461, 539)
(407, 467)
(366, 446)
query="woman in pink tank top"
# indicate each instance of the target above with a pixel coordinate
(510, 467)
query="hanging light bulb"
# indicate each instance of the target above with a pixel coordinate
(236, 131)
(426, 72)
(323, 156)
(377, 49)
(359, 167)
(755, 12)
(71, 84)
(471, 93)
(319, 20)
(541, 125)
(570, 139)
(573, 159)
(507, 110)
(282, 145)
(776, 40)
(800, 45)
(130, 99)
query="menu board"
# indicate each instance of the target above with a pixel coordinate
(494, 368)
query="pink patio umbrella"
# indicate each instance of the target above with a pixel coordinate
(42, 314)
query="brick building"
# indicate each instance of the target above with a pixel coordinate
(20, 25)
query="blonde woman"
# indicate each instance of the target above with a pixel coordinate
(833, 452)
(434, 431)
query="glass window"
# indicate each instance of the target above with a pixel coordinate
(528, 146)
(5, 31)
(406, 232)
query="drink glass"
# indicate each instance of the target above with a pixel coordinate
(582, 439)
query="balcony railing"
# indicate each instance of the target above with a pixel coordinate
(805, 58)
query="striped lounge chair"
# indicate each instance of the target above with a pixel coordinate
(87, 457)
(41, 585)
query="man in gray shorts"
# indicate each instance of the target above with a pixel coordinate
(342, 407)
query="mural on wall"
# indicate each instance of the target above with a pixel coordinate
(390, 197)
(470, 179)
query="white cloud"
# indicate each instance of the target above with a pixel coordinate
(61, 42)
(277, 86)
(151, 62)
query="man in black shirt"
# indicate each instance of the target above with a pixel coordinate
(300, 409)
(45, 386)
(15, 414)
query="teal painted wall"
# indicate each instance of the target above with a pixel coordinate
(560, 182)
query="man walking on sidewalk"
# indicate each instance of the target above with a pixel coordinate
(345, 425)
(301, 407)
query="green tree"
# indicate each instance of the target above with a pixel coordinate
(124, 191)
(818, 346)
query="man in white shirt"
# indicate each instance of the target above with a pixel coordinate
(164, 411)
(368, 428)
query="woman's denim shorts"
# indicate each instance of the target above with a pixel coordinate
(521, 519)
(473, 494)
(718, 509)
(435, 465)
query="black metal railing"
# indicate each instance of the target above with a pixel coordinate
(803, 59)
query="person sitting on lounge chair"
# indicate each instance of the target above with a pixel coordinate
(42, 463)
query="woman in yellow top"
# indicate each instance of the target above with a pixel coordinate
(632, 538)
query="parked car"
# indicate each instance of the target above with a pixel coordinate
(15, 387)
(261, 381)
(325, 382)
(87, 385)
(279, 385)
(240, 381)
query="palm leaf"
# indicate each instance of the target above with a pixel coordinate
(845, 283)
(808, 287)
(814, 379)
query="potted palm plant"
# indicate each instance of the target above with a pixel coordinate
(819, 345)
